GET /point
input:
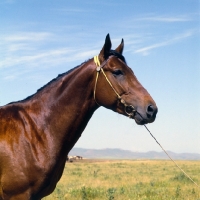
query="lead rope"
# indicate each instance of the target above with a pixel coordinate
(170, 157)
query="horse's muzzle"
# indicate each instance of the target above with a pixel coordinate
(148, 117)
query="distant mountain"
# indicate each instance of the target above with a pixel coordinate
(125, 154)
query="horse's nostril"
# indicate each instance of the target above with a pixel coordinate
(150, 108)
(150, 111)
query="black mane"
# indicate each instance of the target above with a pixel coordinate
(53, 80)
(58, 77)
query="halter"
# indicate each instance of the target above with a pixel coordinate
(129, 109)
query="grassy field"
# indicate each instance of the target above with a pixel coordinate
(127, 179)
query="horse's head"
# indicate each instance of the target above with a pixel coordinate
(117, 87)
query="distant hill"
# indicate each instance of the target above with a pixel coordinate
(125, 154)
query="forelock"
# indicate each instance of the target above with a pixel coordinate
(118, 55)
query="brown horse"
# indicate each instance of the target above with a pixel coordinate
(37, 133)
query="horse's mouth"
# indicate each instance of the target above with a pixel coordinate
(141, 122)
(139, 119)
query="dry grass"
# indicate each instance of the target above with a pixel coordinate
(127, 179)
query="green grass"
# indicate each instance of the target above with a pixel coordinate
(127, 179)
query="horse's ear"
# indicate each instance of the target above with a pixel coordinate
(120, 48)
(104, 53)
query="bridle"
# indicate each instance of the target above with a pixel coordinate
(129, 109)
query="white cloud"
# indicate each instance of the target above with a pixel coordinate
(9, 77)
(72, 10)
(28, 36)
(33, 49)
(22, 42)
(165, 18)
(7, 1)
(27, 47)
(146, 50)
(36, 58)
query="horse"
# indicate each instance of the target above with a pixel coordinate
(37, 133)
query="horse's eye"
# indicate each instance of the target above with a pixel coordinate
(117, 72)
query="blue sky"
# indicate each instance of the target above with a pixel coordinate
(41, 39)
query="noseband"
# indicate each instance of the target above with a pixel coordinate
(129, 109)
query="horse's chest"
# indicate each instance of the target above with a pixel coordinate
(51, 178)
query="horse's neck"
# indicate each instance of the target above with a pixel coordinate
(66, 105)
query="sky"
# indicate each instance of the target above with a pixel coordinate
(41, 39)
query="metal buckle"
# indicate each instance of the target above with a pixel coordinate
(129, 109)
